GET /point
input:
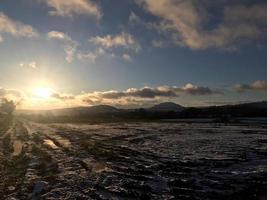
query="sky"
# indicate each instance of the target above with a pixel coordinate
(132, 53)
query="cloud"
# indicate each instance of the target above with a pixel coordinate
(178, 15)
(105, 46)
(198, 90)
(132, 97)
(148, 92)
(111, 94)
(110, 43)
(4, 92)
(124, 40)
(145, 93)
(126, 57)
(87, 56)
(70, 51)
(91, 56)
(62, 97)
(133, 18)
(31, 65)
(58, 35)
(186, 21)
(15, 28)
(127, 102)
(69, 45)
(145, 96)
(152, 93)
(11, 94)
(68, 8)
(259, 85)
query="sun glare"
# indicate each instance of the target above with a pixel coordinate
(43, 92)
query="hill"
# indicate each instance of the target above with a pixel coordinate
(166, 107)
(167, 110)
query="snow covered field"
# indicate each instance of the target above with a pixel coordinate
(133, 161)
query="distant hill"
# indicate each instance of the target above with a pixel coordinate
(167, 106)
(102, 109)
(261, 105)
(92, 110)
(255, 109)
(167, 110)
(76, 111)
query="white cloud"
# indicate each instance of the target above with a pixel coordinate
(31, 65)
(15, 28)
(181, 16)
(91, 56)
(70, 46)
(68, 8)
(70, 51)
(185, 21)
(124, 40)
(58, 35)
(87, 56)
(105, 46)
(126, 57)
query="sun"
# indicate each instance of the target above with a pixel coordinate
(43, 92)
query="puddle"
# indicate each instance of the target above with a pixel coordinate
(50, 144)
(17, 146)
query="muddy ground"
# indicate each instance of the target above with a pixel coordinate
(133, 161)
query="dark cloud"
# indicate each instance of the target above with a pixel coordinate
(7, 92)
(62, 97)
(148, 92)
(259, 85)
(198, 90)
(112, 95)
(12, 95)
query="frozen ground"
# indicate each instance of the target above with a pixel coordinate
(133, 161)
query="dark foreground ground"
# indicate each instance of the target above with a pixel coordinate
(133, 161)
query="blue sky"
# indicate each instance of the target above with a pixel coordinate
(190, 52)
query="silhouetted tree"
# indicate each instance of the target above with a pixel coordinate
(7, 106)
